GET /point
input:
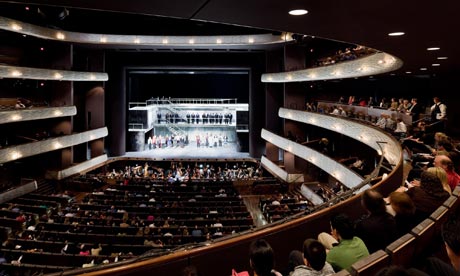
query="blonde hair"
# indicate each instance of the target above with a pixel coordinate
(442, 175)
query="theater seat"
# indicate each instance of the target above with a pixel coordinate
(371, 264)
(451, 203)
(424, 233)
(402, 250)
(456, 191)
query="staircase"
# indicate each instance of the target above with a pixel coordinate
(172, 127)
(45, 187)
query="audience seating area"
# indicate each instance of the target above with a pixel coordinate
(127, 219)
(411, 249)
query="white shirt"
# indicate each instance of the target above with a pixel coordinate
(442, 108)
(401, 127)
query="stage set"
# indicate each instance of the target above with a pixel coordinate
(188, 128)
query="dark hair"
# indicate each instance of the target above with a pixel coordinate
(393, 271)
(343, 225)
(451, 234)
(315, 253)
(431, 184)
(262, 257)
(295, 259)
(190, 271)
(373, 201)
(402, 204)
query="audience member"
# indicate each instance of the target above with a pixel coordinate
(378, 228)
(348, 248)
(444, 162)
(429, 196)
(262, 258)
(442, 175)
(451, 236)
(314, 257)
(400, 271)
(404, 210)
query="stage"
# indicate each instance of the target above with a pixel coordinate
(191, 151)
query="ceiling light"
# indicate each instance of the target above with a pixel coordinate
(165, 41)
(191, 41)
(16, 73)
(396, 34)
(60, 36)
(219, 41)
(433, 48)
(435, 64)
(137, 41)
(408, 72)
(251, 40)
(423, 69)
(16, 27)
(57, 75)
(298, 12)
(103, 39)
(442, 58)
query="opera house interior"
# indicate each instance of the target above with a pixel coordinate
(229, 138)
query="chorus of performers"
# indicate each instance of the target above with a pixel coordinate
(195, 118)
(207, 140)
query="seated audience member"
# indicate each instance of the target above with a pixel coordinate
(295, 260)
(262, 258)
(442, 175)
(444, 162)
(400, 271)
(96, 250)
(190, 271)
(378, 228)
(404, 210)
(429, 196)
(401, 128)
(314, 254)
(19, 105)
(348, 248)
(451, 235)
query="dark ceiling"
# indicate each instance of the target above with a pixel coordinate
(425, 23)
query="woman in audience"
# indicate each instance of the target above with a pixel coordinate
(262, 258)
(377, 228)
(429, 196)
(404, 210)
(442, 175)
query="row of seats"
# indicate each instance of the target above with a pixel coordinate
(424, 239)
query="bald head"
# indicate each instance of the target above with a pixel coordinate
(443, 161)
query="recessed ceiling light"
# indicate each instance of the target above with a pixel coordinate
(298, 12)
(423, 69)
(408, 72)
(433, 48)
(396, 34)
(435, 64)
(442, 58)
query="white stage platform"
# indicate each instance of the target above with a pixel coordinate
(191, 151)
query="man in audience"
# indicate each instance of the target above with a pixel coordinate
(314, 257)
(451, 236)
(444, 162)
(344, 248)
